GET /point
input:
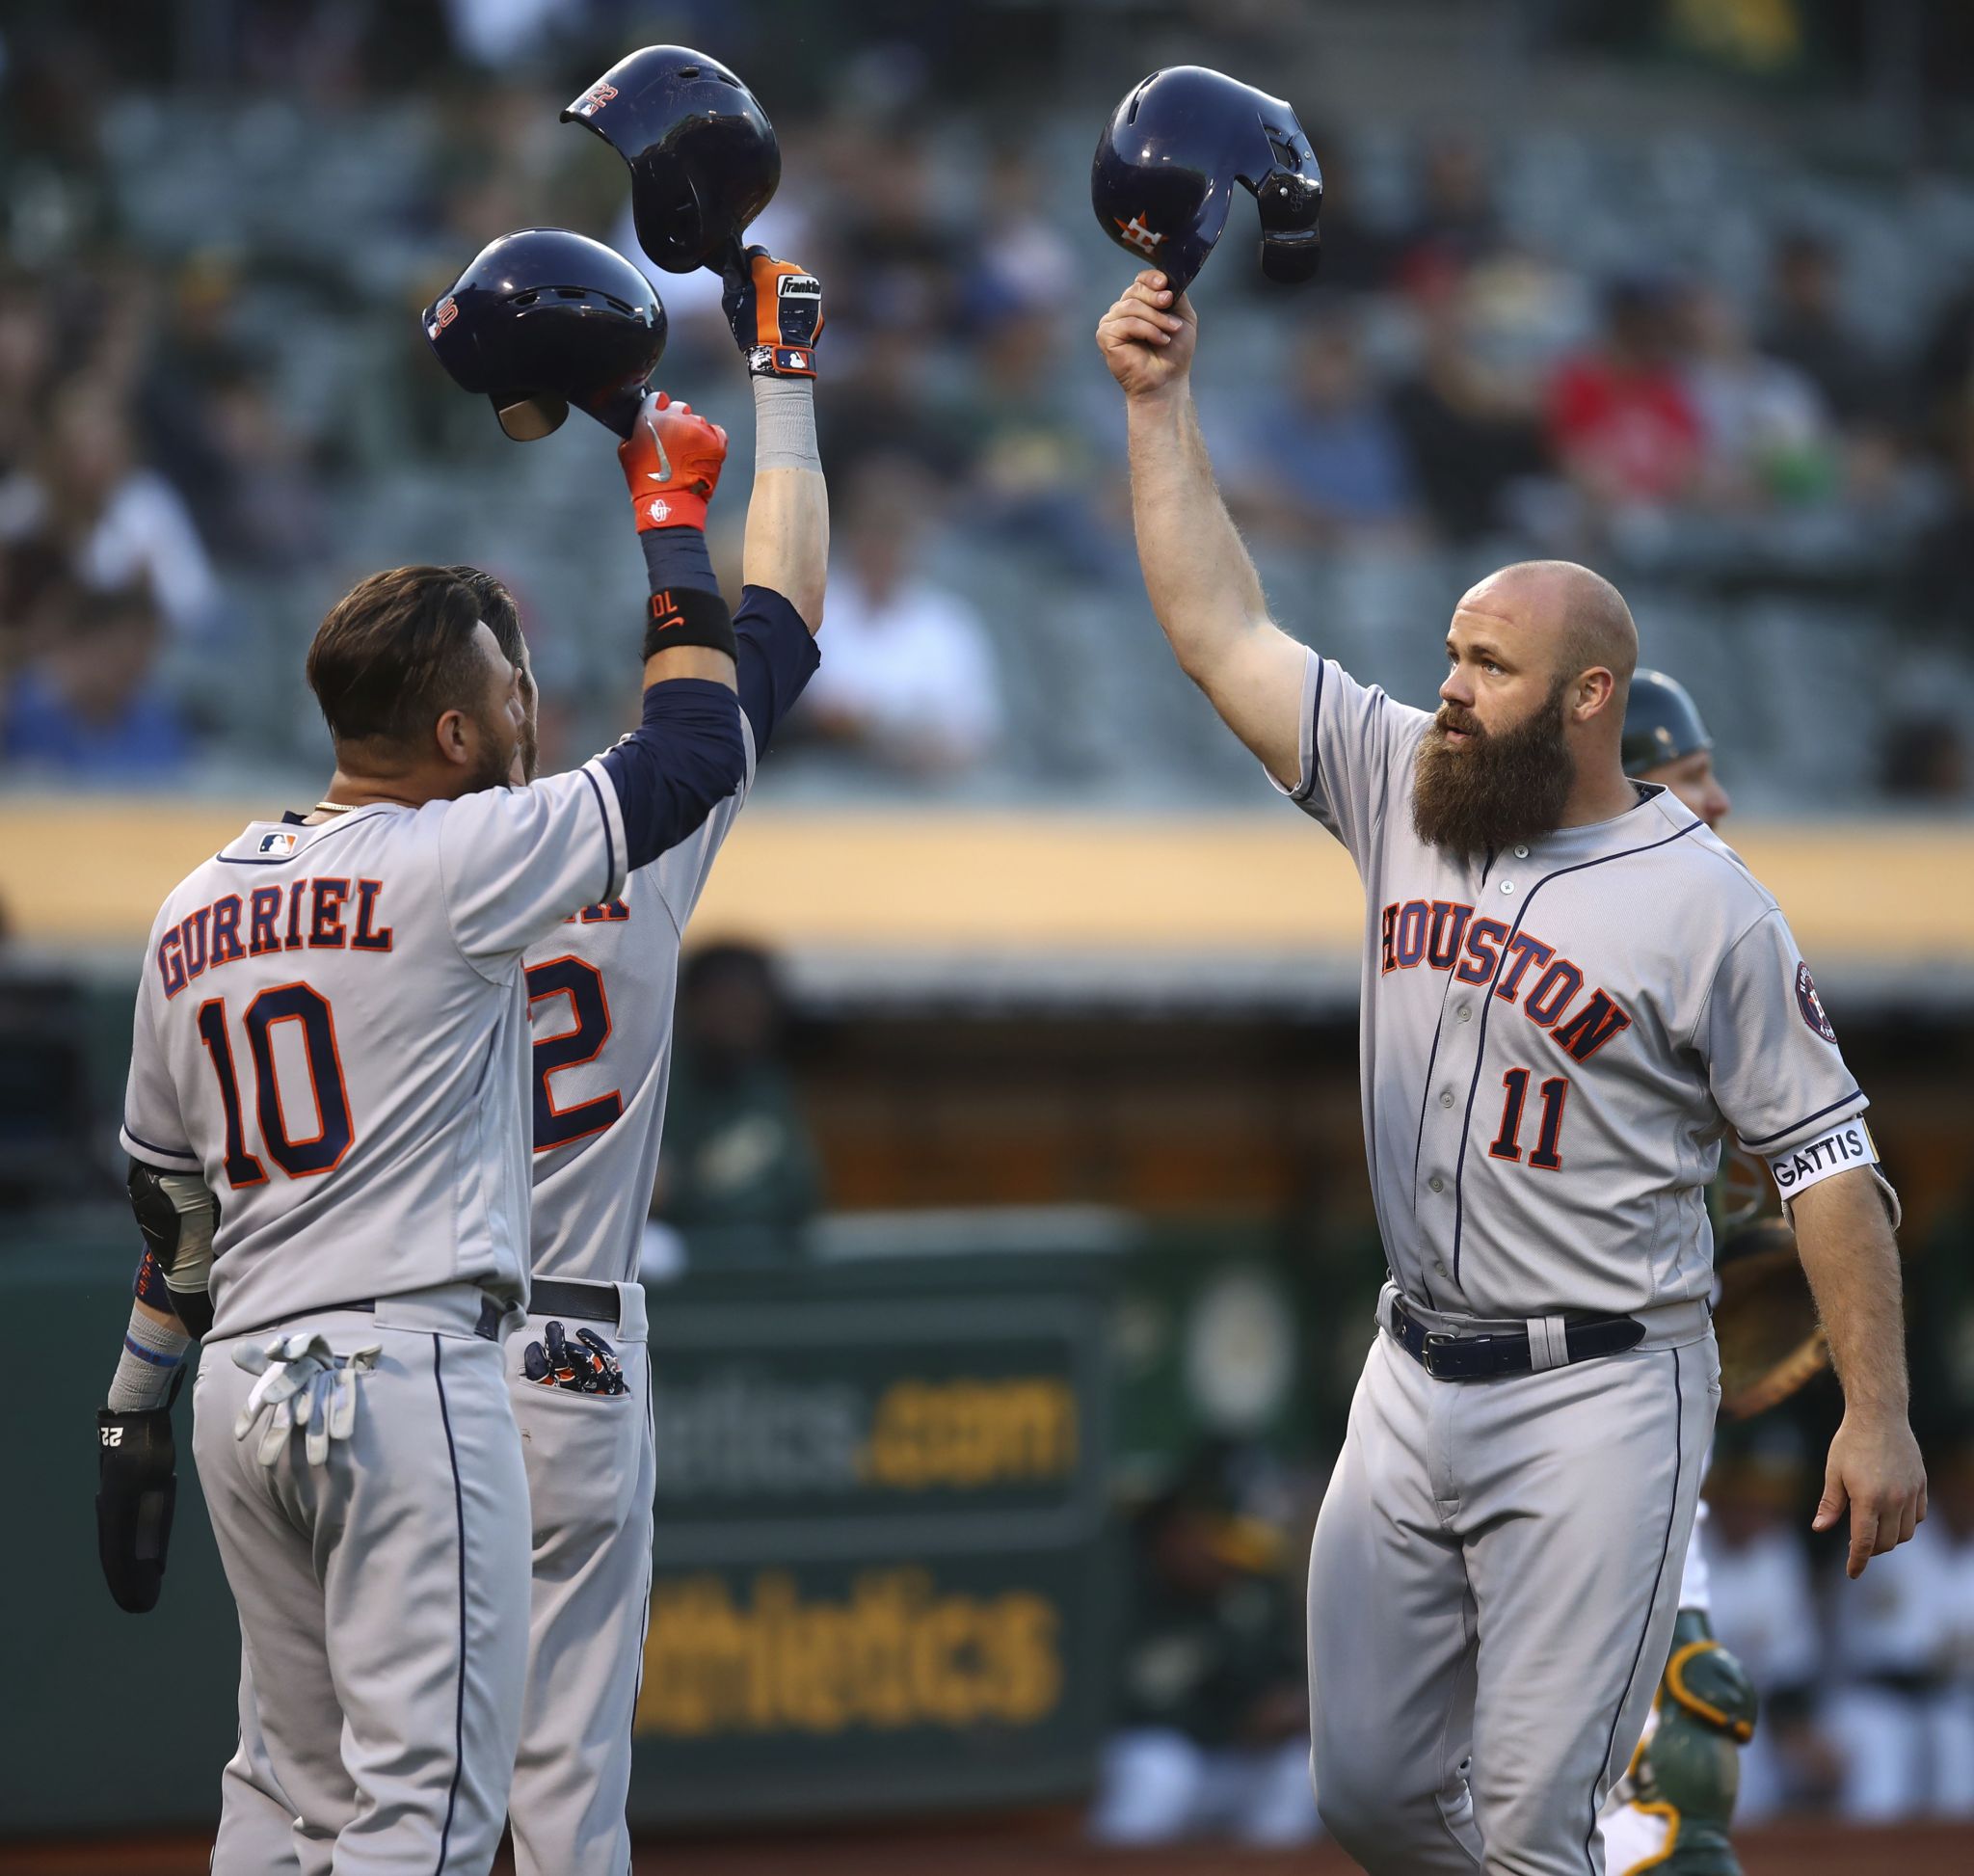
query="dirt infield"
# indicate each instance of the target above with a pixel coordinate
(1049, 1847)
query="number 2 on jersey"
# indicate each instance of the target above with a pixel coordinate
(582, 983)
(300, 1158)
(1546, 1156)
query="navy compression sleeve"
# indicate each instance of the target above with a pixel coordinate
(686, 755)
(777, 657)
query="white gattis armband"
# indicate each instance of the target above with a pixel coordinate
(1847, 1145)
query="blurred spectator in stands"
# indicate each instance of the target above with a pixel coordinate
(1952, 1505)
(1806, 328)
(1456, 224)
(1945, 377)
(264, 509)
(886, 406)
(1940, 585)
(1214, 1709)
(899, 263)
(1763, 427)
(738, 1174)
(87, 706)
(1620, 419)
(1328, 460)
(1022, 257)
(1893, 1665)
(1471, 431)
(35, 600)
(121, 524)
(1765, 1610)
(1923, 762)
(27, 353)
(1360, 254)
(909, 679)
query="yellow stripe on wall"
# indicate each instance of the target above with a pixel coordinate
(95, 871)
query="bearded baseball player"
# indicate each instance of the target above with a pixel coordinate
(601, 995)
(1571, 993)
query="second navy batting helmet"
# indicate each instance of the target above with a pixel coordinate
(542, 319)
(1662, 723)
(704, 159)
(1163, 179)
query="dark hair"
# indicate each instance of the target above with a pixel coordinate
(497, 610)
(394, 653)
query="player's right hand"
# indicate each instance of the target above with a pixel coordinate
(1876, 1469)
(672, 462)
(1147, 338)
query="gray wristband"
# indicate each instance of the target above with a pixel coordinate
(784, 424)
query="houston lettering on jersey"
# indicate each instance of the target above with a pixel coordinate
(1446, 936)
(319, 914)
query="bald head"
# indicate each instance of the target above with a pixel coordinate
(1565, 616)
(1542, 646)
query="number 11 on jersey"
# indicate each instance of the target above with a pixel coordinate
(1507, 1141)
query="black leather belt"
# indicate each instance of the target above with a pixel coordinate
(493, 1313)
(1481, 1357)
(586, 1302)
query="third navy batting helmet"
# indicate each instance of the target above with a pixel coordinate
(542, 319)
(1164, 176)
(704, 159)
(1662, 723)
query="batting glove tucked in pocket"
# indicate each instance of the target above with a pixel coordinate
(304, 1384)
(588, 1365)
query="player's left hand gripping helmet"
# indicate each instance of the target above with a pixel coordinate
(542, 319)
(704, 159)
(1162, 180)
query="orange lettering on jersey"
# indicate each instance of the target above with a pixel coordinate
(1446, 936)
(264, 908)
(369, 935)
(208, 937)
(326, 927)
(172, 962)
(225, 929)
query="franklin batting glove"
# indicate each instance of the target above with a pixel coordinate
(775, 309)
(672, 462)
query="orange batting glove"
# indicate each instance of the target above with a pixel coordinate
(775, 309)
(672, 462)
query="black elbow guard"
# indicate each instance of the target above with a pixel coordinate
(178, 1218)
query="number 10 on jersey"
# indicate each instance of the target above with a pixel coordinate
(299, 1158)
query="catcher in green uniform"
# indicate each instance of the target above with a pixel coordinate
(1670, 1811)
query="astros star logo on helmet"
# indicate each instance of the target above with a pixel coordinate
(1147, 241)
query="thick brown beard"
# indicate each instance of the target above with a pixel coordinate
(1499, 789)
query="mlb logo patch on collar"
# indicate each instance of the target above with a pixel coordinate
(277, 844)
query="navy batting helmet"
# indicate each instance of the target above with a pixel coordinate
(704, 159)
(1662, 723)
(1164, 176)
(542, 319)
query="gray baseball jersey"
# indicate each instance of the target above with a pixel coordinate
(600, 992)
(272, 969)
(1556, 1039)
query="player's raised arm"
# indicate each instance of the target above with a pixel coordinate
(1202, 583)
(775, 309)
